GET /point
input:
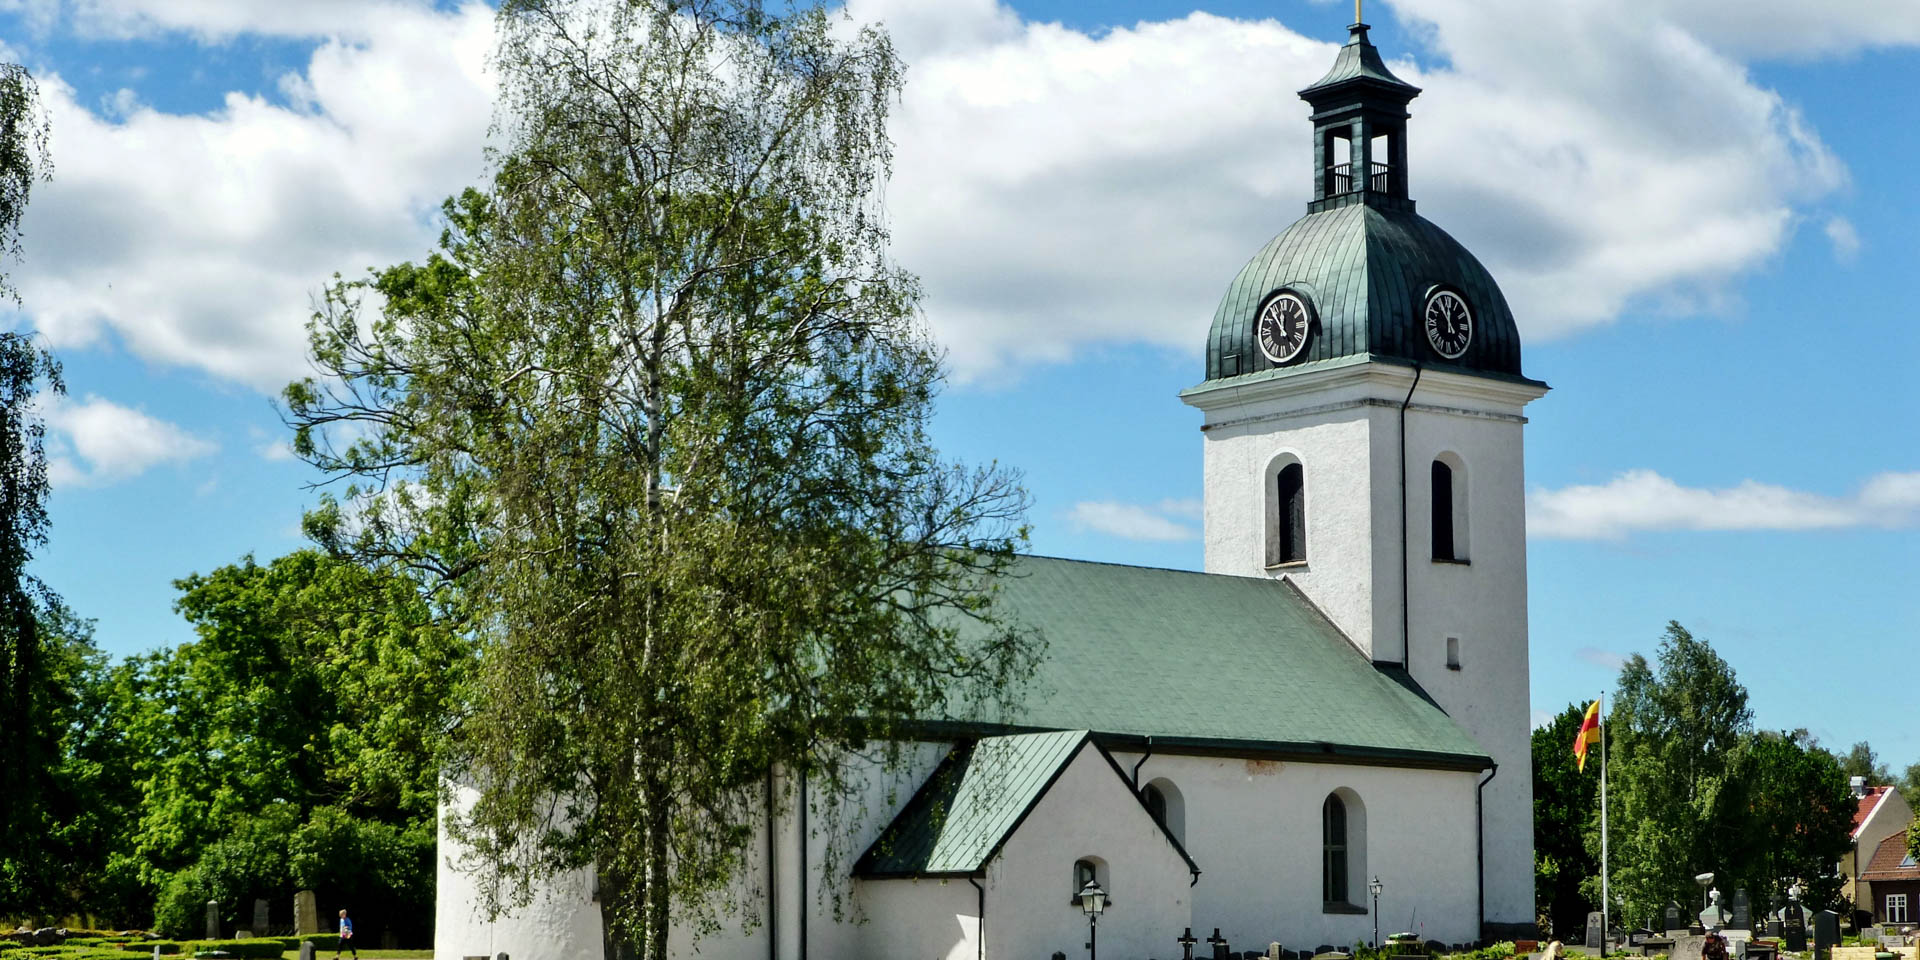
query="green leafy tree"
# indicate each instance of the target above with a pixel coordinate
(1860, 761)
(652, 425)
(1672, 736)
(1565, 803)
(24, 127)
(1786, 814)
(316, 690)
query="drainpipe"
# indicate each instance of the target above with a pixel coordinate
(804, 803)
(980, 929)
(1480, 843)
(1406, 533)
(1142, 763)
(773, 879)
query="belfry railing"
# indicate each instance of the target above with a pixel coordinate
(1342, 174)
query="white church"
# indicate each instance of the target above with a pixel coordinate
(1342, 697)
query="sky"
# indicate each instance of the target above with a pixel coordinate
(1702, 212)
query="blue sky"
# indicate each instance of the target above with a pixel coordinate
(1703, 212)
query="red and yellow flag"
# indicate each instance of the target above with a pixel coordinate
(1589, 733)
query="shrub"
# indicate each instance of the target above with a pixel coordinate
(257, 947)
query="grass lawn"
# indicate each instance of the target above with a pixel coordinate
(372, 954)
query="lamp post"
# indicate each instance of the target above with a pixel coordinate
(1093, 901)
(1374, 886)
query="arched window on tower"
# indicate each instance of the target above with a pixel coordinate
(1333, 847)
(1449, 500)
(1287, 533)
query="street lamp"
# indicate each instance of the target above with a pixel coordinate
(1093, 901)
(1374, 887)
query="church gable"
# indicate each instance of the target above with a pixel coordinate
(978, 798)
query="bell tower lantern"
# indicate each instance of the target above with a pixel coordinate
(1359, 128)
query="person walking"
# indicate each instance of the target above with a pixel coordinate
(346, 937)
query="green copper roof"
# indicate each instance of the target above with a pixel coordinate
(1365, 268)
(973, 802)
(1358, 61)
(1211, 662)
(970, 804)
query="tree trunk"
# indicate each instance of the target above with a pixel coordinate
(659, 887)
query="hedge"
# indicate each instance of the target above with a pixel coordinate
(257, 947)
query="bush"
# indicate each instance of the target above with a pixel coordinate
(256, 947)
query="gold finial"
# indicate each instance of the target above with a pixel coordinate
(1356, 12)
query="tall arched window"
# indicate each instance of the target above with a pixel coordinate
(1333, 846)
(1442, 511)
(1449, 500)
(1290, 515)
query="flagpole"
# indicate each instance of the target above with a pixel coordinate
(1604, 926)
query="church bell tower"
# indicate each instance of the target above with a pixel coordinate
(1364, 410)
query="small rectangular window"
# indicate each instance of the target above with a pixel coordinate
(1453, 653)
(1896, 908)
(1290, 539)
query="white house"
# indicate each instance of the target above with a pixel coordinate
(1341, 696)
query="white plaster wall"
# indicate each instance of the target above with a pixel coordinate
(1344, 425)
(1483, 603)
(563, 921)
(1331, 434)
(913, 920)
(1089, 812)
(1254, 828)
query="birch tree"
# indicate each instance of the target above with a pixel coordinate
(651, 425)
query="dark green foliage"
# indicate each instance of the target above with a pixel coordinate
(1786, 813)
(1693, 788)
(653, 423)
(1565, 803)
(291, 745)
(24, 127)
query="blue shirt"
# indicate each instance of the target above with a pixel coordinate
(346, 927)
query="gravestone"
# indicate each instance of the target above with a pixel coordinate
(1594, 931)
(1793, 929)
(306, 950)
(1761, 951)
(1688, 946)
(1219, 944)
(1826, 930)
(1742, 910)
(213, 919)
(1273, 950)
(1654, 946)
(260, 917)
(1673, 917)
(306, 913)
(1186, 941)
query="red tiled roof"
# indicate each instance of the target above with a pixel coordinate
(1891, 861)
(1868, 801)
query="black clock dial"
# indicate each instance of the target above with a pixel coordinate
(1283, 327)
(1449, 324)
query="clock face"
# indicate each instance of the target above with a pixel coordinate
(1283, 327)
(1449, 324)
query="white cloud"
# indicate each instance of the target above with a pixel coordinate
(1160, 522)
(202, 240)
(1642, 500)
(96, 442)
(1057, 189)
(1845, 239)
(214, 20)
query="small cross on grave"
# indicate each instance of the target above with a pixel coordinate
(1186, 941)
(1219, 945)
